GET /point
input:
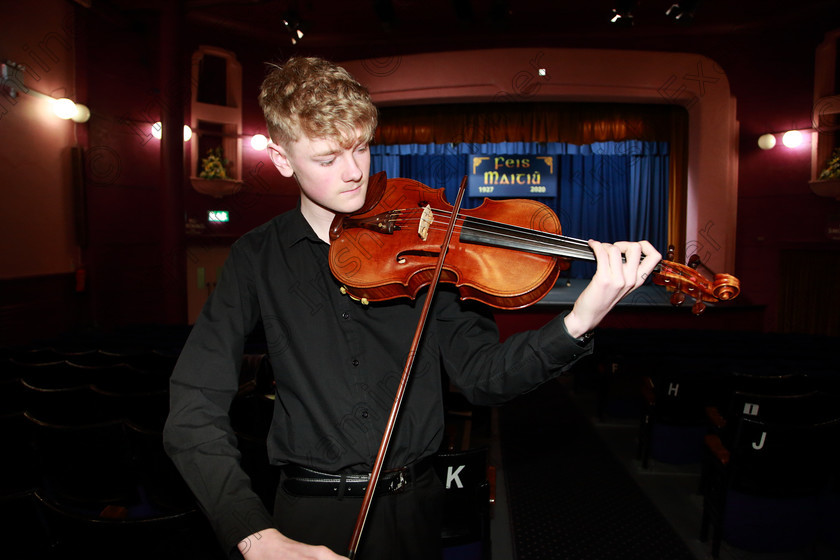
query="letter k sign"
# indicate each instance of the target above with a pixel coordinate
(453, 477)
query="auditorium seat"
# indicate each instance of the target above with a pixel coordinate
(94, 360)
(20, 468)
(88, 465)
(158, 361)
(57, 375)
(762, 491)
(161, 484)
(133, 394)
(74, 404)
(12, 396)
(250, 416)
(25, 528)
(469, 491)
(117, 533)
(673, 420)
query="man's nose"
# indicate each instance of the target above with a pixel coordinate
(353, 170)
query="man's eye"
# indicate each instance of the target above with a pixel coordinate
(326, 163)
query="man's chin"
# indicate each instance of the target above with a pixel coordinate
(354, 199)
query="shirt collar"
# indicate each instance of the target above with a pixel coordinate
(299, 229)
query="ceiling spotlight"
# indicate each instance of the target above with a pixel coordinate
(622, 14)
(682, 10)
(293, 25)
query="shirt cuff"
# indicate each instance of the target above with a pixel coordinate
(582, 340)
(562, 347)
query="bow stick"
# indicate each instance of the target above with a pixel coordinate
(392, 418)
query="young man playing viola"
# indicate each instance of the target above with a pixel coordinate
(336, 362)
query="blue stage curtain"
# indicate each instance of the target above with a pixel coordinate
(609, 191)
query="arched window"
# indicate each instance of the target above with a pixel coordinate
(216, 107)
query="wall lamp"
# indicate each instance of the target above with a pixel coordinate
(791, 139)
(157, 131)
(258, 141)
(11, 83)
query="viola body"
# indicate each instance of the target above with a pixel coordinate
(379, 253)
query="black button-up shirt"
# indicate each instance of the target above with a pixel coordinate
(337, 364)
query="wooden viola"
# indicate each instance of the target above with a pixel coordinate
(507, 254)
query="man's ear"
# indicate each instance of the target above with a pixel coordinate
(280, 158)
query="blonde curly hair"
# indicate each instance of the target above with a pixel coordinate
(318, 99)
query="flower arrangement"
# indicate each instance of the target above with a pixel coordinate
(832, 166)
(214, 166)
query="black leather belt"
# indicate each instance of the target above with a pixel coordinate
(303, 481)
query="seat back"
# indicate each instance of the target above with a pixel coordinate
(467, 497)
(85, 464)
(805, 407)
(76, 533)
(680, 397)
(20, 468)
(783, 458)
(162, 484)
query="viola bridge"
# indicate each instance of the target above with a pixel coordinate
(426, 220)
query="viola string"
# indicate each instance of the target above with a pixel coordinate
(551, 242)
(516, 232)
(553, 245)
(507, 234)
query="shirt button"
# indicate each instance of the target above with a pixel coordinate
(356, 363)
(365, 414)
(345, 315)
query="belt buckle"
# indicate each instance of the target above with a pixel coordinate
(398, 483)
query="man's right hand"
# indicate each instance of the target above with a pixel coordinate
(271, 544)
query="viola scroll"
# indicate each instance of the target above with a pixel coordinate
(686, 281)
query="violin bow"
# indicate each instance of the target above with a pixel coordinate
(409, 363)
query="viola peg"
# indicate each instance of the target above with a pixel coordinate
(698, 307)
(669, 256)
(694, 261)
(677, 299)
